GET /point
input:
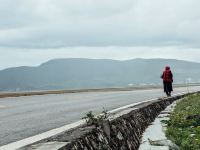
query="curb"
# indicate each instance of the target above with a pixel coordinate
(53, 132)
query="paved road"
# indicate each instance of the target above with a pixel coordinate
(22, 117)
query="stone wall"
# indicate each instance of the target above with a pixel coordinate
(122, 132)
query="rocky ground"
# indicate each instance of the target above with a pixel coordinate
(177, 127)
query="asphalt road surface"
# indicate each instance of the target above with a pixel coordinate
(22, 117)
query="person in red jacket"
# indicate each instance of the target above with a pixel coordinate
(167, 77)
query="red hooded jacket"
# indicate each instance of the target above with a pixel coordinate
(167, 75)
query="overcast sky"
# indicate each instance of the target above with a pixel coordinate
(34, 31)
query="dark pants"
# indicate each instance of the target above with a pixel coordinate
(167, 88)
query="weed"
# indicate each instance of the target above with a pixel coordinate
(184, 124)
(92, 119)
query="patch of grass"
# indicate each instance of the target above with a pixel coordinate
(184, 124)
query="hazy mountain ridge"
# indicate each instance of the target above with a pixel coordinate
(94, 73)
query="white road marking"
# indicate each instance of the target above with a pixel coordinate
(53, 132)
(39, 137)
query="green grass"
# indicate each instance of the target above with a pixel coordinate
(181, 130)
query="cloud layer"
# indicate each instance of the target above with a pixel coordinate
(63, 23)
(34, 31)
(34, 57)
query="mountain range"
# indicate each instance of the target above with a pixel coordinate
(79, 73)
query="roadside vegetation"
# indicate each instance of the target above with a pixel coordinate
(184, 124)
(92, 119)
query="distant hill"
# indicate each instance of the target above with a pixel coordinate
(94, 73)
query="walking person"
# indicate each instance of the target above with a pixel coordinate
(167, 77)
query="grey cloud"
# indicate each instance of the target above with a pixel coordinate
(16, 14)
(52, 24)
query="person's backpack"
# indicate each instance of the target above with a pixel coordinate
(167, 76)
